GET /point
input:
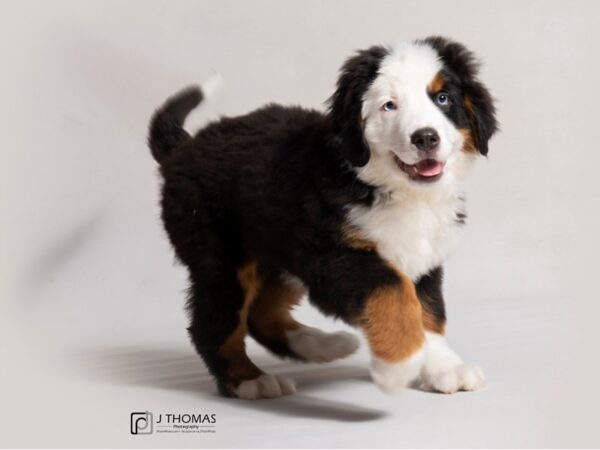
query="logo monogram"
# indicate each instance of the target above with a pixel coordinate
(141, 422)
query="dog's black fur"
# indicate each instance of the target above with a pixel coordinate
(273, 186)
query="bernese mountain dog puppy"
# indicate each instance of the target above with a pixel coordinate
(357, 208)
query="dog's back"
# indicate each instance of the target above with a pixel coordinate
(249, 178)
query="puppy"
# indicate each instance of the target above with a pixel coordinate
(357, 207)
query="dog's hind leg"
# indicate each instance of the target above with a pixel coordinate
(219, 310)
(222, 290)
(272, 325)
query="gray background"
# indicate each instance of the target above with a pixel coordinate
(91, 317)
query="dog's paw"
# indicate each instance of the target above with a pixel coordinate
(265, 386)
(315, 345)
(462, 377)
(445, 372)
(391, 378)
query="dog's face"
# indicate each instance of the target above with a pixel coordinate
(412, 116)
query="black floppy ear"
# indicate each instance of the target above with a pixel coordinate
(478, 102)
(345, 105)
(482, 114)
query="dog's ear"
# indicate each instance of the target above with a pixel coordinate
(478, 102)
(345, 104)
(482, 114)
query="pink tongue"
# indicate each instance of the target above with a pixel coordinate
(429, 168)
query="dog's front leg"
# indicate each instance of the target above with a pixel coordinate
(443, 370)
(391, 325)
(369, 293)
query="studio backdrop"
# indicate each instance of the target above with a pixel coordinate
(92, 320)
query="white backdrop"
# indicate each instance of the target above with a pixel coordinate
(92, 321)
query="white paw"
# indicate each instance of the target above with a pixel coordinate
(265, 386)
(445, 372)
(391, 378)
(317, 346)
(463, 377)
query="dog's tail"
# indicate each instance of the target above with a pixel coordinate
(166, 127)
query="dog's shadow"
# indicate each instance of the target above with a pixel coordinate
(177, 369)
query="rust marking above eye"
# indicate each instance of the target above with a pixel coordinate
(437, 84)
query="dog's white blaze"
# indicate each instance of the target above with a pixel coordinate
(413, 224)
(404, 76)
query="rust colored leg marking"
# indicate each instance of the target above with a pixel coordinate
(240, 367)
(392, 321)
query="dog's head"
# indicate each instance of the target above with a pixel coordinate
(415, 115)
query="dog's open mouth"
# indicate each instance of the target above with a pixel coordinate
(426, 170)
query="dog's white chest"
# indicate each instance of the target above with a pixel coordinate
(415, 234)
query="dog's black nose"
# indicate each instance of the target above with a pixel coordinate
(425, 139)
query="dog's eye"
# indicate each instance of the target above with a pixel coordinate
(443, 100)
(389, 106)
